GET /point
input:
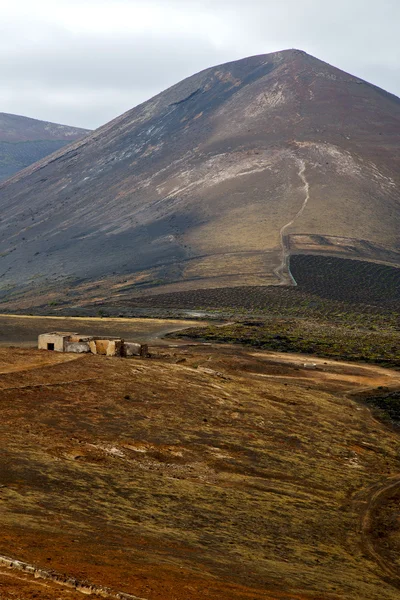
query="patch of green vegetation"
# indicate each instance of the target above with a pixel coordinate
(387, 406)
(309, 337)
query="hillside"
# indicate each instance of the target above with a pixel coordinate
(24, 141)
(201, 473)
(213, 183)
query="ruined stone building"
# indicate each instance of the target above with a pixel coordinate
(63, 341)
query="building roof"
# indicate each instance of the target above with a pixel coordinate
(61, 333)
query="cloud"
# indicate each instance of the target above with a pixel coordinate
(85, 62)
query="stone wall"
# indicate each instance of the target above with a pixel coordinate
(132, 349)
(107, 347)
(77, 347)
(68, 582)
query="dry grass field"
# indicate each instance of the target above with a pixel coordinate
(203, 472)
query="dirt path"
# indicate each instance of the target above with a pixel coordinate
(283, 270)
(352, 371)
(376, 497)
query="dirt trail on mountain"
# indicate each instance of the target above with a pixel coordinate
(283, 270)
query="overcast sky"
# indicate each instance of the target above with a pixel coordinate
(83, 62)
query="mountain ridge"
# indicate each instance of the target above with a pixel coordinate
(24, 141)
(192, 187)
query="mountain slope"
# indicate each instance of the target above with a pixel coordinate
(24, 141)
(214, 182)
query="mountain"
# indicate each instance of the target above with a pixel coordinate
(24, 141)
(215, 182)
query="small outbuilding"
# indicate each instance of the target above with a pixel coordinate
(56, 341)
(62, 341)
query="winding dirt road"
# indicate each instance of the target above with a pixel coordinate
(375, 498)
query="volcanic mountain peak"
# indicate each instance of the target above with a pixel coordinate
(214, 182)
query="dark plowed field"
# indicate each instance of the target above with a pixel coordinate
(327, 287)
(271, 298)
(347, 280)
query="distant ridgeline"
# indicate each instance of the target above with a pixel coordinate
(24, 141)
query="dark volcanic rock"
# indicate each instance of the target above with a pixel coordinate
(210, 184)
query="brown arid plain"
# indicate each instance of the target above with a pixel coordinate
(203, 472)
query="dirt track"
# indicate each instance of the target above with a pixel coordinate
(283, 270)
(373, 500)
